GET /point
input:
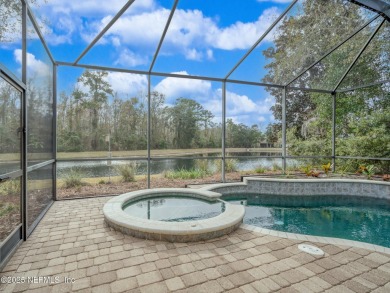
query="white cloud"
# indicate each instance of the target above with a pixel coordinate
(243, 35)
(243, 109)
(125, 83)
(275, 1)
(34, 66)
(214, 105)
(190, 29)
(240, 108)
(174, 88)
(191, 33)
(239, 104)
(86, 18)
(129, 58)
(210, 54)
(193, 54)
(142, 30)
(95, 8)
(116, 41)
(65, 27)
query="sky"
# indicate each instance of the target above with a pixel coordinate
(205, 38)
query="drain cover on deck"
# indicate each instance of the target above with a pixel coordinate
(310, 249)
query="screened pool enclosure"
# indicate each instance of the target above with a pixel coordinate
(100, 99)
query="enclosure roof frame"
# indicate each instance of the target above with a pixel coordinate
(104, 30)
(377, 6)
(358, 55)
(164, 34)
(330, 51)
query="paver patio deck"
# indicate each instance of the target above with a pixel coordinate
(73, 241)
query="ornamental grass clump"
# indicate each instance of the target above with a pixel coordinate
(127, 171)
(231, 165)
(185, 174)
(73, 178)
(260, 169)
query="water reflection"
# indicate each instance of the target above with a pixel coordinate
(175, 209)
(332, 216)
(102, 169)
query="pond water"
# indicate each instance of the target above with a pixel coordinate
(105, 169)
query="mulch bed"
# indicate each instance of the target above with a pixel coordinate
(37, 202)
(123, 187)
(9, 221)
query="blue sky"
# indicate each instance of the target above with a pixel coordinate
(205, 38)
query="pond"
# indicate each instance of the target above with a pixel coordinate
(104, 168)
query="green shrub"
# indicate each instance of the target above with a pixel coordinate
(73, 178)
(308, 170)
(260, 169)
(11, 187)
(102, 181)
(293, 166)
(6, 208)
(185, 174)
(127, 171)
(202, 165)
(369, 171)
(276, 167)
(230, 165)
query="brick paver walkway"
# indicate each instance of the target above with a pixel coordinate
(73, 241)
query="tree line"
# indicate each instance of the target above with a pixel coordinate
(39, 96)
(93, 111)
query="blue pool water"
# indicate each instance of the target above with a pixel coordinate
(174, 208)
(355, 218)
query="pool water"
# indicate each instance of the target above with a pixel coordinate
(354, 218)
(174, 208)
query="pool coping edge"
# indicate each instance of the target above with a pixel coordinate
(319, 239)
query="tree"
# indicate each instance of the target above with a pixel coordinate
(160, 128)
(11, 19)
(299, 41)
(10, 115)
(187, 118)
(96, 95)
(129, 119)
(242, 136)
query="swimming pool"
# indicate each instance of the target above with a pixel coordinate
(354, 218)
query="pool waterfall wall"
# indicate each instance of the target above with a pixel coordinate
(305, 187)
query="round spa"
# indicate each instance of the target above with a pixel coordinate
(173, 214)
